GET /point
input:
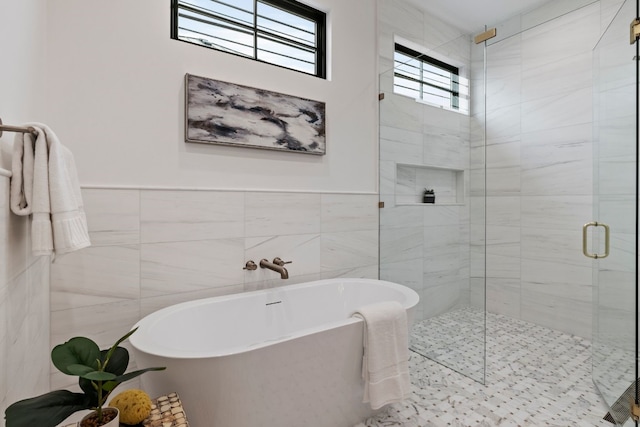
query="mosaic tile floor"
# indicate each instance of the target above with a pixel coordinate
(536, 377)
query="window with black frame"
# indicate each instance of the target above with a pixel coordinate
(428, 79)
(280, 32)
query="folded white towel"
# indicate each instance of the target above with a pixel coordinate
(44, 184)
(385, 364)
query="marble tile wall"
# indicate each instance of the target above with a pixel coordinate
(24, 309)
(425, 247)
(155, 248)
(539, 168)
(538, 179)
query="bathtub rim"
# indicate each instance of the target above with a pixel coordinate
(412, 299)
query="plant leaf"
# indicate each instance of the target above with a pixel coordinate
(47, 410)
(79, 370)
(99, 376)
(76, 351)
(118, 362)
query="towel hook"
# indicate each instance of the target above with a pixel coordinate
(17, 129)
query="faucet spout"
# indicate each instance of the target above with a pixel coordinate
(284, 274)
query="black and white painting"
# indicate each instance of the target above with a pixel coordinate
(225, 113)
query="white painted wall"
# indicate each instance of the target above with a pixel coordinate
(115, 80)
(24, 280)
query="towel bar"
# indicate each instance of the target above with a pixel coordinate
(17, 129)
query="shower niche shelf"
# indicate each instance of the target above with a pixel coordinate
(412, 179)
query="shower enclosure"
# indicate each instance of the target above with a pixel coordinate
(547, 144)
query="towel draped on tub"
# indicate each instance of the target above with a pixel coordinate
(385, 364)
(44, 184)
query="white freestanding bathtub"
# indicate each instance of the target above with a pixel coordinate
(284, 357)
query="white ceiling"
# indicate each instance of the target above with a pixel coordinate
(471, 15)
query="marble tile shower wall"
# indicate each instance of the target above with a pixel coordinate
(425, 247)
(539, 171)
(154, 248)
(24, 309)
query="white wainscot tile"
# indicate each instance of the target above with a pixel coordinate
(435, 279)
(557, 162)
(560, 110)
(303, 250)
(170, 216)
(400, 145)
(153, 304)
(503, 122)
(401, 112)
(504, 58)
(268, 214)
(365, 272)
(401, 244)
(17, 299)
(503, 181)
(401, 216)
(113, 216)
(18, 236)
(445, 39)
(477, 293)
(387, 177)
(618, 211)
(622, 250)
(503, 211)
(502, 240)
(565, 75)
(168, 268)
(348, 249)
(95, 275)
(445, 147)
(279, 282)
(440, 299)
(575, 32)
(503, 152)
(349, 212)
(408, 273)
(103, 323)
(503, 90)
(554, 296)
(399, 17)
(616, 175)
(556, 212)
(557, 245)
(559, 278)
(500, 266)
(503, 297)
(443, 215)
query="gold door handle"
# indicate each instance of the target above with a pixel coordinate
(607, 239)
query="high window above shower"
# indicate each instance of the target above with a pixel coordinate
(430, 80)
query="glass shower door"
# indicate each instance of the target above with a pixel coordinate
(611, 236)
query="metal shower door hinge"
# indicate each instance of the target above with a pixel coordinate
(634, 32)
(489, 34)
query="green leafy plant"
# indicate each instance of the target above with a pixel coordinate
(99, 372)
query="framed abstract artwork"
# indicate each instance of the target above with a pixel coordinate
(225, 113)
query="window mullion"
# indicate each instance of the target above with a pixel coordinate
(255, 29)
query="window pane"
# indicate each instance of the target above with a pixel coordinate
(286, 24)
(215, 33)
(287, 56)
(431, 80)
(238, 10)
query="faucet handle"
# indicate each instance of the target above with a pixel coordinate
(250, 265)
(280, 262)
